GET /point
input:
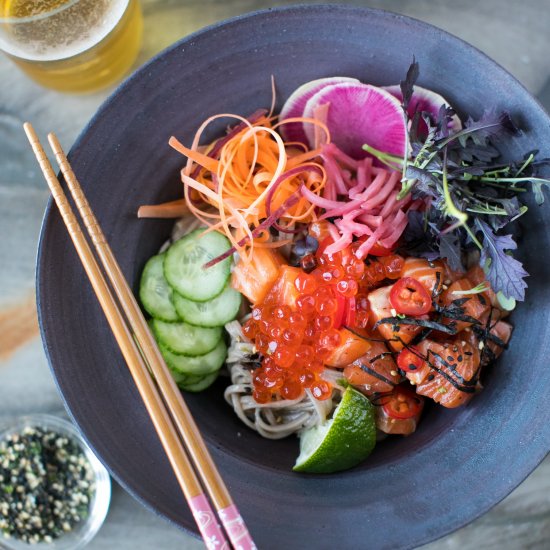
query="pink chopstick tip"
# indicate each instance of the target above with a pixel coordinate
(236, 529)
(211, 532)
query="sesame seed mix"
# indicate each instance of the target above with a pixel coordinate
(46, 483)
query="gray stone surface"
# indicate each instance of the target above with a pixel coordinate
(516, 34)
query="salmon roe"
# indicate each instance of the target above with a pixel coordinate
(295, 341)
(293, 347)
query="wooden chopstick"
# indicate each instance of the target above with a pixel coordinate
(177, 406)
(184, 421)
(170, 440)
(147, 388)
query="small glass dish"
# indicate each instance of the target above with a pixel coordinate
(84, 531)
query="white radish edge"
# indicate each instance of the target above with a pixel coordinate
(314, 103)
(304, 89)
(432, 97)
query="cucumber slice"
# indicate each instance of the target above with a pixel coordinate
(183, 265)
(186, 339)
(214, 313)
(154, 291)
(202, 384)
(179, 377)
(193, 378)
(198, 365)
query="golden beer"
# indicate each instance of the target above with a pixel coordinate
(72, 45)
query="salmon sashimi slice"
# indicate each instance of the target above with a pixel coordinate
(503, 331)
(380, 308)
(375, 371)
(428, 273)
(495, 341)
(494, 333)
(449, 276)
(420, 374)
(398, 411)
(284, 291)
(395, 426)
(477, 276)
(352, 346)
(453, 372)
(254, 279)
(475, 306)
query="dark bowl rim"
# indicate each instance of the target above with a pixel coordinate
(121, 88)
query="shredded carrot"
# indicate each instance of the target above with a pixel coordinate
(199, 158)
(234, 183)
(172, 209)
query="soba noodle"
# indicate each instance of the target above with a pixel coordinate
(273, 420)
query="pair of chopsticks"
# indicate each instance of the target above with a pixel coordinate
(171, 417)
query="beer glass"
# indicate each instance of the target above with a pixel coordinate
(71, 45)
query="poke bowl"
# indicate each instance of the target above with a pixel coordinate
(460, 461)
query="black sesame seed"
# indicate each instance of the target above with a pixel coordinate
(41, 491)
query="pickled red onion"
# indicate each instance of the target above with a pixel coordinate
(361, 203)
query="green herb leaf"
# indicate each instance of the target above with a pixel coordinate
(481, 287)
(508, 304)
(538, 184)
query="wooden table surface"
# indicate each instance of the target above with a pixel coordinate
(516, 34)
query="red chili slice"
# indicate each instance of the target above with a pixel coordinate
(409, 359)
(402, 403)
(350, 312)
(409, 297)
(340, 314)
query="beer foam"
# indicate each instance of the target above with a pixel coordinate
(67, 32)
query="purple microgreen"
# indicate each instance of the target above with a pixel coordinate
(451, 209)
(407, 85)
(450, 249)
(504, 272)
(407, 90)
(491, 125)
(472, 193)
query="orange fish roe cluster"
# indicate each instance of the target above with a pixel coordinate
(295, 341)
(293, 348)
(353, 278)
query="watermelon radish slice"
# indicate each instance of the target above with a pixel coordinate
(295, 104)
(358, 114)
(425, 100)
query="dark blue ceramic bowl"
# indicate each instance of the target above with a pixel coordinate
(412, 490)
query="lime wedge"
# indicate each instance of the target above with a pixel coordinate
(341, 442)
